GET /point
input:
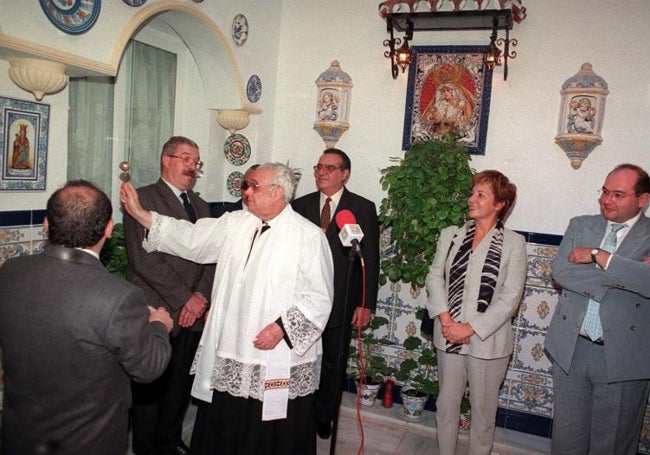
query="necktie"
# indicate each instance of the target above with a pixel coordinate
(265, 227)
(188, 208)
(326, 215)
(591, 323)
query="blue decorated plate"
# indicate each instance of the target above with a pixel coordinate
(237, 149)
(240, 29)
(72, 16)
(233, 183)
(254, 88)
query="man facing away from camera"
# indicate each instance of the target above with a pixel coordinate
(72, 335)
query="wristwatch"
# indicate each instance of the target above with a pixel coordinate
(594, 252)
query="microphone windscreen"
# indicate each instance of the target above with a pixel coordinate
(344, 217)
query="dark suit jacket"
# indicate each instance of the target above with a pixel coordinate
(623, 291)
(166, 280)
(71, 335)
(219, 208)
(366, 215)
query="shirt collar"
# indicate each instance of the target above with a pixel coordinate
(629, 223)
(336, 197)
(91, 252)
(175, 190)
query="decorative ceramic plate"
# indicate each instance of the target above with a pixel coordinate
(237, 149)
(240, 29)
(135, 2)
(254, 88)
(233, 183)
(72, 16)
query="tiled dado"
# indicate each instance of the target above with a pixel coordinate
(526, 397)
(21, 233)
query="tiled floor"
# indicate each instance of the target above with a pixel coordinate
(386, 433)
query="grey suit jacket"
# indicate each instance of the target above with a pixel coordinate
(623, 291)
(493, 337)
(72, 335)
(167, 280)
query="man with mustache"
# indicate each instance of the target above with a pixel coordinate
(182, 287)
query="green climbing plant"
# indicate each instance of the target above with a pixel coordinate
(427, 191)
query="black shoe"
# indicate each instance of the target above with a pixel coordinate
(324, 429)
(180, 449)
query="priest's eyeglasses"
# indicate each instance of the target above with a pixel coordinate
(245, 184)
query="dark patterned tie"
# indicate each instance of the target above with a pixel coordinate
(188, 208)
(326, 215)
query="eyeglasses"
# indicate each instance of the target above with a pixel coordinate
(245, 184)
(616, 195)
(326, 167)
(188, 161)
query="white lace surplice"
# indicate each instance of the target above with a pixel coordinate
(289, 275)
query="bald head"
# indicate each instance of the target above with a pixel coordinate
(77, 215)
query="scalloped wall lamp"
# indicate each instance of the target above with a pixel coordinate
(40, 77)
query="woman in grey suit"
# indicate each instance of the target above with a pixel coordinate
(474, 285)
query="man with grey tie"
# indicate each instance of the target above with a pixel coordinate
(598, 338)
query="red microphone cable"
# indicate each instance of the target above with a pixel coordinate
(342, 218)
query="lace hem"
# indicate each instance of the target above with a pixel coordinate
(301, 331)
(247, 380)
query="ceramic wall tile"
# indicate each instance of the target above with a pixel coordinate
(536, 309)
(534, 394)
(528, 355)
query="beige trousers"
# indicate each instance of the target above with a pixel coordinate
(455, 371)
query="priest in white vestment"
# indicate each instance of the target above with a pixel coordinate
(258, 363)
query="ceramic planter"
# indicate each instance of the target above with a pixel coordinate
(368, 394)
(413, 404)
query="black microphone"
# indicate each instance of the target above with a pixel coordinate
(350, 232)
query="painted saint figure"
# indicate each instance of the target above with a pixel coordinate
(582, 117)
(447, 100)
(328, 107)
(20, 156)
(449, 111)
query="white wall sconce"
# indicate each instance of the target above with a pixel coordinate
(333, 104)
(40, 77)
(234, 120)
(582, 111)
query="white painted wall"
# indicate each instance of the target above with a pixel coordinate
(292, 41)
(554, 40)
